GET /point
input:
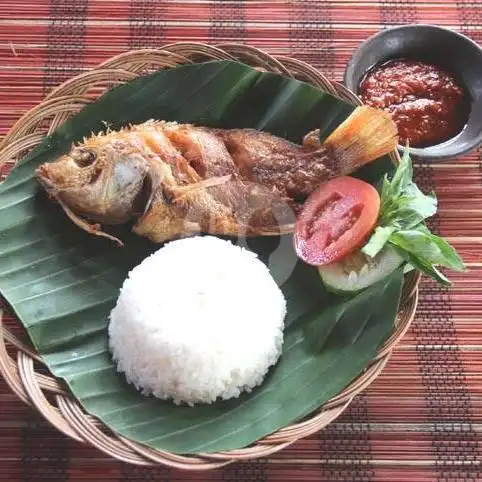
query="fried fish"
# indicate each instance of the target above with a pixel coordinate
(172, 180)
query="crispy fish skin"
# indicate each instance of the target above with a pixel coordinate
(294, 171)
(174, 180)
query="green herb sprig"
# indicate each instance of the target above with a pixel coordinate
(401, 224)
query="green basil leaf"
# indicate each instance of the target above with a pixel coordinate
(451, 259)
(424, 267)
(406, 219)
(423, 228)
(410, 208)
(428, 247)
(386, 193)
(403, 204)
(378, 239)
(403, 175)
(411, 212)
(416, 200)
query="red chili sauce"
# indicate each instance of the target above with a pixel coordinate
(426, 103)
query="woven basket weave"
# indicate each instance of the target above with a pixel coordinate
(20, 365)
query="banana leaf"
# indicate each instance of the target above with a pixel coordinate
(62, 283)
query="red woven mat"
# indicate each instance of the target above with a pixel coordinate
(421, 420)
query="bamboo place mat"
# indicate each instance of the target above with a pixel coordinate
(422, 419)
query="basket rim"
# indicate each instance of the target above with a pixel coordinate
(62, 410)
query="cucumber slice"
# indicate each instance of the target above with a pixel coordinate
(358, 271)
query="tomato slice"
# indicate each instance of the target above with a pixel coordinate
(335, 220)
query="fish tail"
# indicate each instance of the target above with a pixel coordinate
(367, 134)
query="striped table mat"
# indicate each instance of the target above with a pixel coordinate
(422, 419)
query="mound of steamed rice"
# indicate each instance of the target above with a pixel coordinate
(197, 320)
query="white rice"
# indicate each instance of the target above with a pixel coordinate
(197, 320)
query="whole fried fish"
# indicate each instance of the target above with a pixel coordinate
(174, 179)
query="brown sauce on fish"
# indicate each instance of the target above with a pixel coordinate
(426, 103)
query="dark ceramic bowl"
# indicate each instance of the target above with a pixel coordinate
(451, 51)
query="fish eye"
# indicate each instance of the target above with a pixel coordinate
(84, 157)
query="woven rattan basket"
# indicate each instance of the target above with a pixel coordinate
(20, 365)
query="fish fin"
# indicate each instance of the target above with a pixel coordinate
(180, 191)
(152, 183)
(367, 134)
(312, 140)
(82, 224)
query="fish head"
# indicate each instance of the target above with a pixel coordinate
(104, 183)
(78, 167)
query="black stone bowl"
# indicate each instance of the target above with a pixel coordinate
(451, 51)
